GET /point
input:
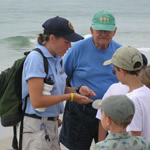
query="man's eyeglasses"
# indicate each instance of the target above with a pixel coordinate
(103, 31)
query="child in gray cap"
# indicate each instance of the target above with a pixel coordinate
(117, 113)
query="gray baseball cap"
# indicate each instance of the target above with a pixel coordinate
(117, 107)
(126, 57)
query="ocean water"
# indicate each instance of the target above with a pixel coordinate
(21, 20)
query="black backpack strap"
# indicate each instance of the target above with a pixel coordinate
(44, 59)
(21, 124)
(15, 141)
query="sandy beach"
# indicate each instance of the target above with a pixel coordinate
(5, 144)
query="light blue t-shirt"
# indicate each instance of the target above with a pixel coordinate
(83, 64)
(34, 67)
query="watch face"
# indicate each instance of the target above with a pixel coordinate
(77, 89)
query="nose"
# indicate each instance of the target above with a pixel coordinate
(68, 46)
(103, 32)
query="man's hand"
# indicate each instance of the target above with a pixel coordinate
(84, 90)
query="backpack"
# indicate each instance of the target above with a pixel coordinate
(11, 112)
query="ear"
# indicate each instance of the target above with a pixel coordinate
(115, 30)
(123, 72)
(51, 37)
(91, 29)
(108, 121)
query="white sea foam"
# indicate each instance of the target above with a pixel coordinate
(144, 49)
(87, 35)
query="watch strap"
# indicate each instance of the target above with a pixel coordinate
(77, 89)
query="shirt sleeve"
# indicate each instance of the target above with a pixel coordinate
(34, 66)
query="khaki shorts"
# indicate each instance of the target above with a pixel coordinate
(34, 136)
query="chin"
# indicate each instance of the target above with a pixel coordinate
(103, 47)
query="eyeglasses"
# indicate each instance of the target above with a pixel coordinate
(113, 71)
(103, 31)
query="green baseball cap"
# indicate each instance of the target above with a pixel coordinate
(117, 107)
(126, 57)
(103, 20)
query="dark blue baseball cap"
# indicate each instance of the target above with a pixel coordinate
(61, 27)
(145, 60)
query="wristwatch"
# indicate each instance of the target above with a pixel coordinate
(77, 89)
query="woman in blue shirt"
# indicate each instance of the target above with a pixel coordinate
(41, 125)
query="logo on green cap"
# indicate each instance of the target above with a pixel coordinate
(104, 19)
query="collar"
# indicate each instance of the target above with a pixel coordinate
(46, 52)
(118, 136)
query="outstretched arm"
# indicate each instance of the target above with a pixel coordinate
(39, 100)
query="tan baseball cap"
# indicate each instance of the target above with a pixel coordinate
(126, 57)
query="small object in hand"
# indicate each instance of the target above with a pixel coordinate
(90, 100)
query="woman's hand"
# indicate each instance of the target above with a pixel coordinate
(81, 99)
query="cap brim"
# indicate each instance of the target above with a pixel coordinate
(97, 104)
(108, 62)
(73, 37)
(104, 27)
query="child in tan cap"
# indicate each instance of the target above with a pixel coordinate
(117, 113)
(119, 88)
(128, 62)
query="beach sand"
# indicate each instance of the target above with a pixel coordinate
(5, 144)
(6, 138)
